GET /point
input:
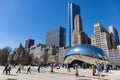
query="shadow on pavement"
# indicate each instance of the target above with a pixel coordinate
(13, 75)
(92, 77)
(10, 79)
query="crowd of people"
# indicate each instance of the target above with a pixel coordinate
(96, 69)
(99, 68)
(7, 69)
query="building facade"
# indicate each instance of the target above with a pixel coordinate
(36, 50)
(101, 38)
(61, 54)
(114, 56)
(78, 36)
(114, 34)
(73, 9)
(56, 37)
(29, 43)
(40, 53)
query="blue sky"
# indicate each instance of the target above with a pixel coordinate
(24, 19)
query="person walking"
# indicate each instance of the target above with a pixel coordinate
(19, 68)
(38, 68)
(9, 68)
(5, 69)
(28, 69)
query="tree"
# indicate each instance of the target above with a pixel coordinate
(31, 58)
(4, 54)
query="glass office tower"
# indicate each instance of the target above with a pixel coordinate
(73, 9)
(114, 32)
(56, 37)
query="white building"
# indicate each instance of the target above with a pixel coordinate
(36, 50)
(101, 38)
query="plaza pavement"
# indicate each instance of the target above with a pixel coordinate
(59, 74)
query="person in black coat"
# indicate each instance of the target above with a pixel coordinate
(5, 68)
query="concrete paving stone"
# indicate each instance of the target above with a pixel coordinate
(58, 74)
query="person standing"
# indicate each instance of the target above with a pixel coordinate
(93, 69)
(74, 66)
(68, 66)
(99, 69)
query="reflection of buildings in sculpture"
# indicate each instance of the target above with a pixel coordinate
(78, 36)
(101, 38)
(85, 54)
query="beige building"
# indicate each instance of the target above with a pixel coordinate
(43, 54)
(61, 54)
(78, 36)
(114, 56)
(36, 53)
(101, 38)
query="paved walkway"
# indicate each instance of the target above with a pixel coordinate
(59, 74)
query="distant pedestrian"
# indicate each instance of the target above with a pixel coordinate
(19, 68)
(5, 68)
(28, 69)
(84, 66)
(93, 69)
(74, 66)
(68, 66)
(99, 69)
(38, 68)
(14, 65)
(9, 69)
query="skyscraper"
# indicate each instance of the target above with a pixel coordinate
(78, 36)
(73, 9)
(114, 33)
(29, 43)
(101, 38)
(56, 37)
